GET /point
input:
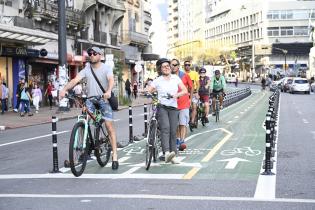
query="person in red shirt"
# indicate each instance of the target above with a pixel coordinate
(48, 93)
(183, 104)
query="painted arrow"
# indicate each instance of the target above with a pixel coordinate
(232, 162)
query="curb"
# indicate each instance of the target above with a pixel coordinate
(2, 128)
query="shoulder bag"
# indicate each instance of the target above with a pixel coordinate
(113, 101)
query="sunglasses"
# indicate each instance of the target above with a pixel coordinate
(187, 64)
(174, 65)
(92, 53)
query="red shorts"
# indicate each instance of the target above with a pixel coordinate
(204, 98)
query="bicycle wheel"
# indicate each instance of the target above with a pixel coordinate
(103, 148)
(157, 146)
(77, 150)
(150, 144)
(217, 112)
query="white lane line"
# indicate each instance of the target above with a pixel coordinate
(30, 139)
(91, 176)
(116, 120)
(305, 121)
(157, 197)
(236, 117)
(229, 122)
(241, 112)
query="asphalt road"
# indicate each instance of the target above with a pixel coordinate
(206, 178)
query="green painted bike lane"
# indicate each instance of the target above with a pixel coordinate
(210, 149)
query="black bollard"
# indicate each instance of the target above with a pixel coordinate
(268, 163)
(54, 141)
(130, 125)
(145, 120)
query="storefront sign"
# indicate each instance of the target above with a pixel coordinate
(19, 52)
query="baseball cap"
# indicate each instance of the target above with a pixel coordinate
(95, 49)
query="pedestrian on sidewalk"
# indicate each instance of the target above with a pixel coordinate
(37, 97)
(25, 101)
(19, 89)
(48, 93)
(135, 89)
(4, 97)
(128, 88)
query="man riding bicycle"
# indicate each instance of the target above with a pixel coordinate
(204, 85)
(217, 88)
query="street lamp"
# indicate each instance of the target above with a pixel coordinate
(285, 52)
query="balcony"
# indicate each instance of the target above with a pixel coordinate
(135, 38)
(147, 18)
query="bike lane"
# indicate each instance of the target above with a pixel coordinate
(233, 149)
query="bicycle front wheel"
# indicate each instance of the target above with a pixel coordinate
(150, 147)
(103, 147)
(77, 149)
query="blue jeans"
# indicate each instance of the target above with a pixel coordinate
(3, 105)
(25, 106)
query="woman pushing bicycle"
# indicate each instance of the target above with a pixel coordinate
(167, 84)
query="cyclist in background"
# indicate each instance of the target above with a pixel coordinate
(217, 88)
(183, 104)
(194, 100)
(167, 84)
(204, 91)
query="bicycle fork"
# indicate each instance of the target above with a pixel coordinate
(85, 134)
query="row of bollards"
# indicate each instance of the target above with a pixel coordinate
(230, 98)
(271, 133)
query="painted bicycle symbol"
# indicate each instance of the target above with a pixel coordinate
(248, 151)
(134, 150)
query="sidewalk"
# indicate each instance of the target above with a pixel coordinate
(11, 120)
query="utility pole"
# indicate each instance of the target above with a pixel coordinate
(62, 53)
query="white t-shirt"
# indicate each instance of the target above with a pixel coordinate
(164, 87)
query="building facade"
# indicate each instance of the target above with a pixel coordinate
(265, 34)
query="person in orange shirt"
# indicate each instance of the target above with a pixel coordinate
(183, 104)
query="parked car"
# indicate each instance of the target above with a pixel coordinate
(300, 85)
(231, 78)
(285, 85)
(275, 84)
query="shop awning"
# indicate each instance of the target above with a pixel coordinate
(25, 35)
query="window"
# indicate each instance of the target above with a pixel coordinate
(273, 31)
(286, 31)
(301, 30)
(300, 14)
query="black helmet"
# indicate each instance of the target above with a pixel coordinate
(202, 70)
(162, 60)
(217, 72)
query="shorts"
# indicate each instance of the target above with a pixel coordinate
(106, 110)
(204, 98)
(194, 100)
(183, 117)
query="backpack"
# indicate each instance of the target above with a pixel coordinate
(202, 88)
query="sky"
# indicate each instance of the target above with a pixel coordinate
(159, 27)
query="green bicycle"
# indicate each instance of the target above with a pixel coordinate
(83, 142)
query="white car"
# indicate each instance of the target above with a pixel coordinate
(300, 85)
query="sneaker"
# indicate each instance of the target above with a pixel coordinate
(169, 156)
(15, 110)
(213, 114)
(162, 158)
(175, 161)
(36, 112)
(22, 114)
(30, 114)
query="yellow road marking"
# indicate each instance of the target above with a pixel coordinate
(191, 173)
(213, 151)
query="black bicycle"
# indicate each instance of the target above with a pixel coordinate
(83, 142)
(216, 111)
(153, 144)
